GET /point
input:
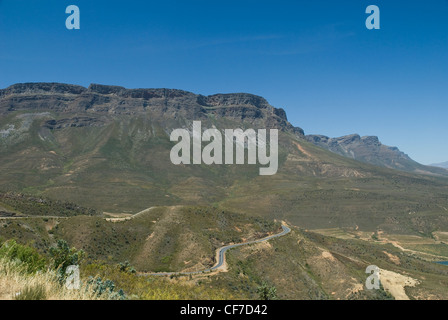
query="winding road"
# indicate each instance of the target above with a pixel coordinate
(220, 252)
(221, 255)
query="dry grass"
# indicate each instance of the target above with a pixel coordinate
(14, 281)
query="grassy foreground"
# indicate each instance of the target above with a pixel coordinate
(17, 284)
(26, 274)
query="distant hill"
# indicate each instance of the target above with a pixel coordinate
(370, 150)
(440, 165)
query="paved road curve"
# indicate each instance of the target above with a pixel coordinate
(220, 252)
(221, 255)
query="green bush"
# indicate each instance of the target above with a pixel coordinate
(28, 256)
(266, 292)
(126, 267)
(64, 256)
(101, 287)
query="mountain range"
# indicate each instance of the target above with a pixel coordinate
(108, 147)
(369, 149)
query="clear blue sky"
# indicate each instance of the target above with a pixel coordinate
(315, 59)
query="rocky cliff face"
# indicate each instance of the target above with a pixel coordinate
(161, 104)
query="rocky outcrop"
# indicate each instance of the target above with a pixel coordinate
(102, 100)
(76, 122)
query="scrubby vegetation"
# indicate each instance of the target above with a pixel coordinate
(165, 238)
(41, 206)
(27, 275)
(110, 253)
(116, 258)
(31, 260)
(63, 256)
(266, 292)
(160, 288)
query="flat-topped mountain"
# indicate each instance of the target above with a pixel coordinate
(163, 104)
(108, 148)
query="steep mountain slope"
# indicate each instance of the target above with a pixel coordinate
(369, 149)
(108, 147)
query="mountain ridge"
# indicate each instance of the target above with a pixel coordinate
(111, 151)
(440, 165)
(106, 99)
(369, 149)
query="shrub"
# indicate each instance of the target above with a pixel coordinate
(28, 256)
(266, 292)
(64, 256)
(106, 287)
(126, 267)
